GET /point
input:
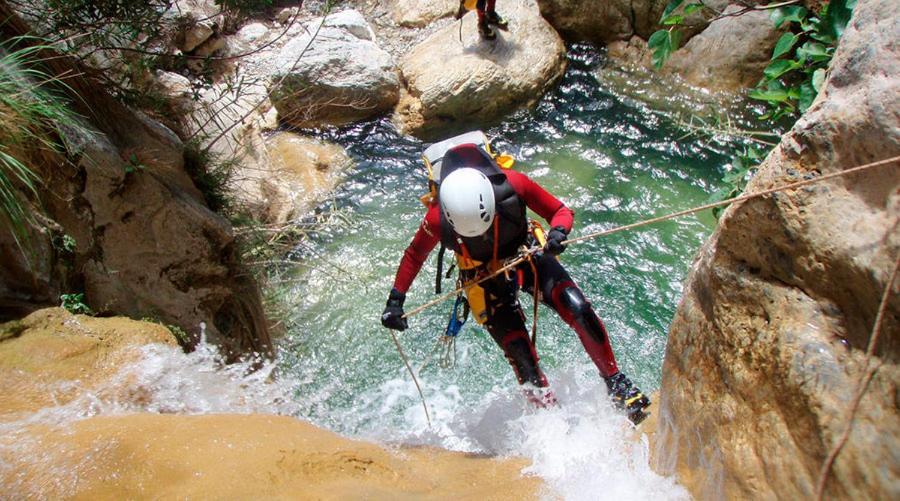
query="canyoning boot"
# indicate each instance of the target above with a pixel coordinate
(626, 396)
(485, 30)
(494, 19)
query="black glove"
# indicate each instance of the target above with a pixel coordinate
(555, 238)
(392, 318)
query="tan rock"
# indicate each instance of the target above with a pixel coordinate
(452, 85)
(605, 21)
(418, 13)
(768, 343)
(51, 350)
(59, 373)
(243, 456)
(730, 54)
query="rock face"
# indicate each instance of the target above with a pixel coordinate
(730, 54)
(53, 346)
(605, 21)
(769, 341)
(338, 76)
(127, 226)
(452, 85)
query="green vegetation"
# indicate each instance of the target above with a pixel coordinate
(799, 61)
(30, 112)
(791, 81)
(74, 303)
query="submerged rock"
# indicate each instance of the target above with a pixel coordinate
(304, 171)
(768, 343)
(453, 84)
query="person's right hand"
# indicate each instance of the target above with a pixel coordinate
(392, 318)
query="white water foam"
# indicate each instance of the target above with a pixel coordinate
(162, 379)
(583, 449)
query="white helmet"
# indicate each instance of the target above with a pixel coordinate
(467, 199)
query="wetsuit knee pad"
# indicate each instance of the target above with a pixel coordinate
(575, 308)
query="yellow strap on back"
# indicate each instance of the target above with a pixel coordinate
(470, 4)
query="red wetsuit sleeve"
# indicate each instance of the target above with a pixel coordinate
(540, 201)
(426, 238)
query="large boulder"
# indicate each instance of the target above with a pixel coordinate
(66, 381)
(730, 54)
(768, 344)
(418, 13)
(453, 84)
(605, 21)
(333, 74)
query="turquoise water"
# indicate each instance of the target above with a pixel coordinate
(610, 158)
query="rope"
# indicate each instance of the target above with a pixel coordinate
(741, 198)
(861, 386)
(411, 373)
(522, 257)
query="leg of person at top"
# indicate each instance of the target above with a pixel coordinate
(560, 293)
(493, 19)
(484, 28)
(506, 323)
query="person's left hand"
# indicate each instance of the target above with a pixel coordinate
(555, 238)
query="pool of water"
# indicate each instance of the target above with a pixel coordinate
(610, 158)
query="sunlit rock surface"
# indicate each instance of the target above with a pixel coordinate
(304, 171)
(89, 410)
(338, 76)
(453, 84)
(418, 13)
(768, 344)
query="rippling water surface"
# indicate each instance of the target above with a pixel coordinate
(610, 158)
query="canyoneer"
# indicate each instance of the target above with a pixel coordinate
(476, 206)
(488, 18)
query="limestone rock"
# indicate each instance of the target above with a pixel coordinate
(418, 13)
(768, 343)
(196, 35)
(303, 171)
(197, 21)
(54, 346)
(599, 21)
(342, 76)
(451, 85)
(605, 21)
(730, 54)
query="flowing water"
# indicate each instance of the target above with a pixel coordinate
(610, 158)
